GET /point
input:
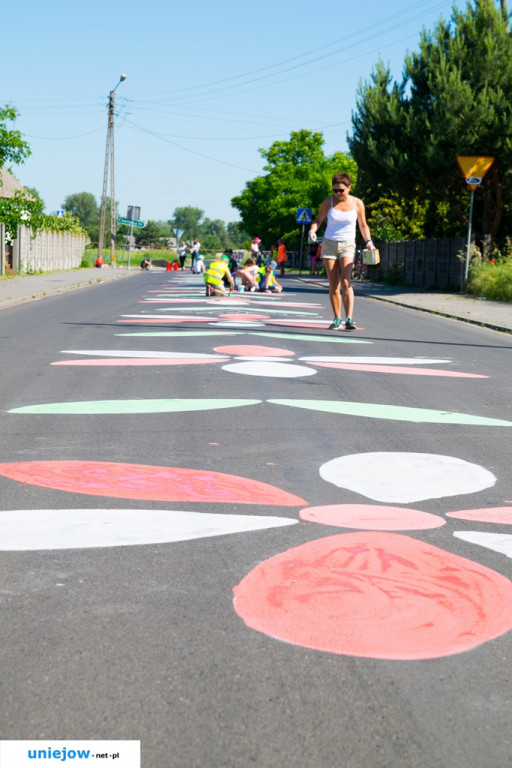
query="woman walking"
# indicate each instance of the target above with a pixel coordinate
(343, 211)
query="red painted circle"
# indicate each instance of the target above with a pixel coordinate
(376, 595)
(139, 481)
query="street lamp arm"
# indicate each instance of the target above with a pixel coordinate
(123, 77)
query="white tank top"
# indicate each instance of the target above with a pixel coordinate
(341, 225)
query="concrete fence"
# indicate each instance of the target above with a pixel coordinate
(45, 252)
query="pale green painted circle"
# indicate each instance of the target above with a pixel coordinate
(182, 405)
(394, 412)
(306, 337)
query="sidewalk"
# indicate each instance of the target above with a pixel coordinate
(489, 314)
(22, 288)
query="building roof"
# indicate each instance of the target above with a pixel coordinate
(8, 184)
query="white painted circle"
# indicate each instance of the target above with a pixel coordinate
(271, 369)
(237, 324)
(406, 477)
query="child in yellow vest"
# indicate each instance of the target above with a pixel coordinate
(214, 277)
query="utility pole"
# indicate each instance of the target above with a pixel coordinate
(109, 161)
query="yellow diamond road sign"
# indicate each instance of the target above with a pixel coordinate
(474, 168)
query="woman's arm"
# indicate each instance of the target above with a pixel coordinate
(363, 225)
(316, 223)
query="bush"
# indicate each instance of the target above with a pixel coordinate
(492, 279)
(22, 209)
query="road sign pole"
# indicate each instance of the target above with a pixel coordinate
(468, 249)
(301, 255)
(304, 216)
(474, 168)
(130, 243)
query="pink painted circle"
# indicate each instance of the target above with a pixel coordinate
(252, 350)
(371, 517)
(500, 515)
(375, 595)
(239, 316)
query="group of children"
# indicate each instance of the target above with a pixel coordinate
(315, 258)
(222, 274)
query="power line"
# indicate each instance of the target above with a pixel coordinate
(186, 149)
(357, 38)
(376, 30)
(63, 138)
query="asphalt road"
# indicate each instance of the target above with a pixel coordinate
(117, 613)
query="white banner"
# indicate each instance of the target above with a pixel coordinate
(22, 754)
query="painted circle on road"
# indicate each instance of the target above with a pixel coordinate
(140, 481)
(371, 517)
(375, 595)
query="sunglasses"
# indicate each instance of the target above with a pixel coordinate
(339, 189)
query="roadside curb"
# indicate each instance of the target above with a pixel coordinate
(440, 313)
(24, 288)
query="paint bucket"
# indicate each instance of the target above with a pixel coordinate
(241, 288)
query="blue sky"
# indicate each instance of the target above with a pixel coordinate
(207, 85)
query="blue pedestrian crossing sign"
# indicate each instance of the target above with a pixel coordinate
(304, 216)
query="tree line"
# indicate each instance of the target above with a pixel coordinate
(213, 234)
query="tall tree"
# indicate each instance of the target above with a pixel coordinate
(297, 175)
(93, 228)
(187, 218)
(216, 230)
(151, 234)
(454, 99)
(236, 233)
(12, 146)
(83, 205)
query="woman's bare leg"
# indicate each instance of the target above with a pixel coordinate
(346, 266)
(333, 274)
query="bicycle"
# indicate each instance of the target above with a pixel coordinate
(360, 270)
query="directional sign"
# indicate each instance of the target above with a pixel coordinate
(304, 216)
(474, 168)
(131, 222)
